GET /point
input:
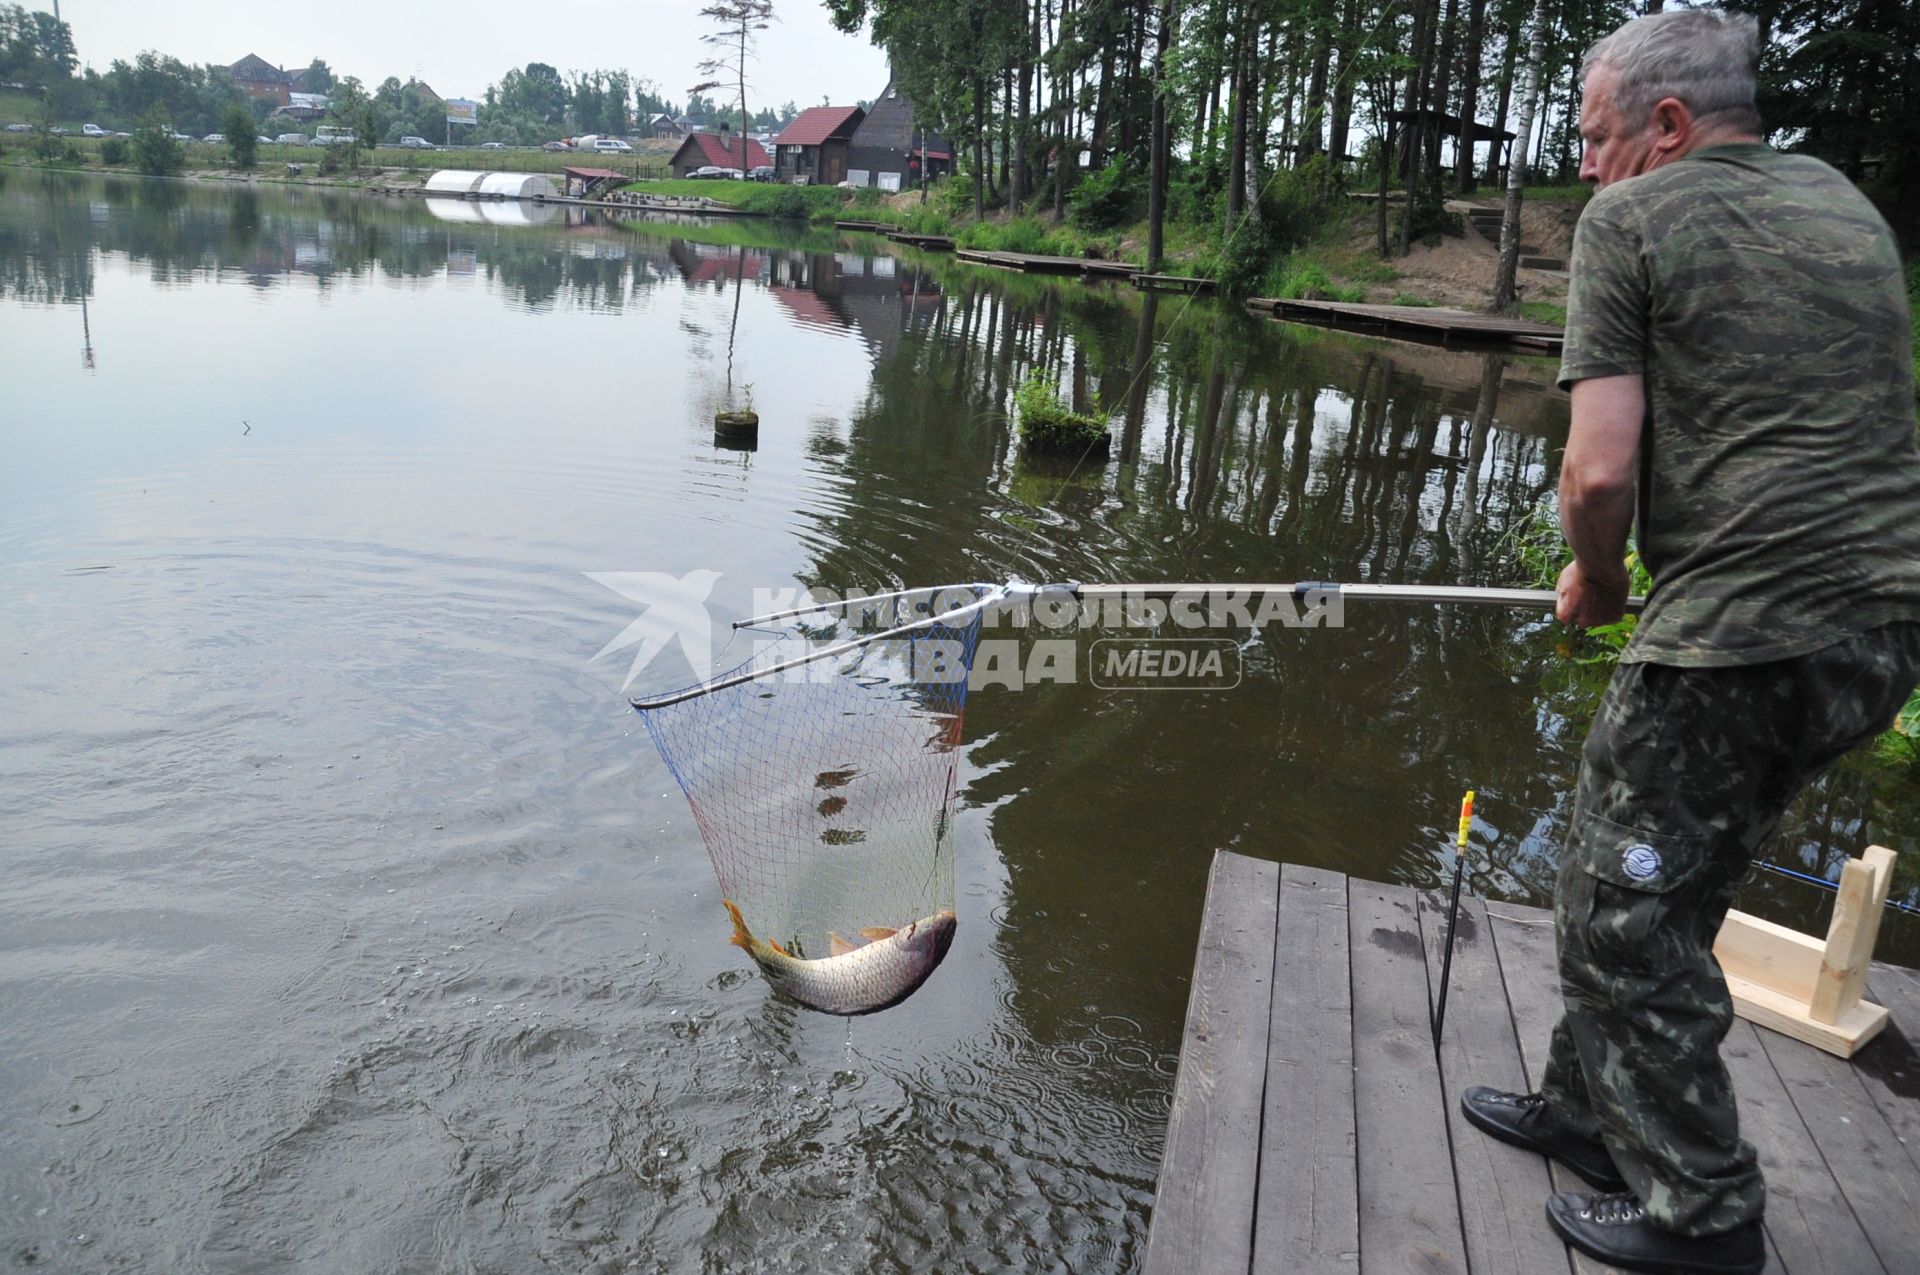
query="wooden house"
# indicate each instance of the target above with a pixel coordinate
(259, 78)
(887, 148)
(703, 150)
(813, 149)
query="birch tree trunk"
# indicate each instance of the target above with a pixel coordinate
(1503, 292)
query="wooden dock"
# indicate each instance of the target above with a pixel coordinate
(1313, 1129)
(1039, 263)
(932, 243)
(1429, 325)
(876, 227)
(1191, 285)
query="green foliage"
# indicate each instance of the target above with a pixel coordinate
(800, 202)
(1113, 197)
(1296, 204)
(1299, 278)
(1047, 424)
(1535, 548)
(1407, 298)
(1901, 744)
(114, 151)
(330, 160)
(237, 123)
(155, 153)
(1022, 234)
(1544, 311)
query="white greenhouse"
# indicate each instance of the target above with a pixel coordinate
(455, 181)
(467, 184)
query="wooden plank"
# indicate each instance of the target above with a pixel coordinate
(1866, 1156)
(1808, 1219)
(1891, 1068)
(1203, 1204)
(1789, 1017)
(1857, 910)
(1523, 941)
(1306, 1215)
(1502, 1188)
(1760, 951)
(1409, 1208)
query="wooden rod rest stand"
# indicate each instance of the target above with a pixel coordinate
(1798, 985)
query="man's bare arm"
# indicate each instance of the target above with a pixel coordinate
(1596, 497)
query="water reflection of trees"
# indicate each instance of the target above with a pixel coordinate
(285, 236)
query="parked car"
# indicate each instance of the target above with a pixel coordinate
(19, 128)
(333, 135)
(761, 173)
(613, 144)
(58, 130)
(706, 171)
(214, 137)
(264, 140)
(92, 130)
(178, 136)
(412, 143)
(291, 139)
(556, 146)
(493, 146)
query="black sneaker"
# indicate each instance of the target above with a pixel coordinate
(1528, 1120)
(1616, 1229)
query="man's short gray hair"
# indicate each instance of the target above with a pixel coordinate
(1704, 57)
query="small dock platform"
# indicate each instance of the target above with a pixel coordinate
(1314, 1129)
(1190, 285)
(932, 243)
(1038, 263)
(1429, 325)
(876, 227)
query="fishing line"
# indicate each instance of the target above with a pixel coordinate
(1831, 886)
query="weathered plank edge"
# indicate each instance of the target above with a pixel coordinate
(1307, 1210)
(1204, 1201)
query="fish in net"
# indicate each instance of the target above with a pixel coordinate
(822, 778)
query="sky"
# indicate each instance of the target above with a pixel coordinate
(461, 48)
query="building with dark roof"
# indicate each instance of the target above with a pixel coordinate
(813, 149)
(704, 150)
(887, 148)
(259, 78)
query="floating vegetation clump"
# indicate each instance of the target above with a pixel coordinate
(1048, 425)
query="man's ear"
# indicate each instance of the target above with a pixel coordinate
(1672, 125)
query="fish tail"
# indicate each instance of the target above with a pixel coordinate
(742, 936)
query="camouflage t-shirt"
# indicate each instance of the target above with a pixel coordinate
(1761, 297)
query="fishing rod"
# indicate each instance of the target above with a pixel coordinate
(970, 599)
(1453, 913)
(1472, 595)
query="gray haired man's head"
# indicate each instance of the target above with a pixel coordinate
(1704, 57)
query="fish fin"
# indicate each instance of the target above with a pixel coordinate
(742, 936)
(837, 946)
(877, 932)
(775, 945)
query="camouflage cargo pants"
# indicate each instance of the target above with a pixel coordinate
(1685, 774)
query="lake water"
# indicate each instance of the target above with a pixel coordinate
(353, 923)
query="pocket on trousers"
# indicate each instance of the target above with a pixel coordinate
(1634, 874)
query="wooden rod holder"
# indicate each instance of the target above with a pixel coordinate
(1802, 987)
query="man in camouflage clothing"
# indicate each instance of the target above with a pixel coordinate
(1738, 353)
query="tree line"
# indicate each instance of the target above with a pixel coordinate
(528, 105)
(1202, 108)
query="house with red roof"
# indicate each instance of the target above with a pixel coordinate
(813, 149)
(705, 150)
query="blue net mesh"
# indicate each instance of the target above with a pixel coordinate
(824, 792)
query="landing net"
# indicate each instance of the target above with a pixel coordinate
(821, 772)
